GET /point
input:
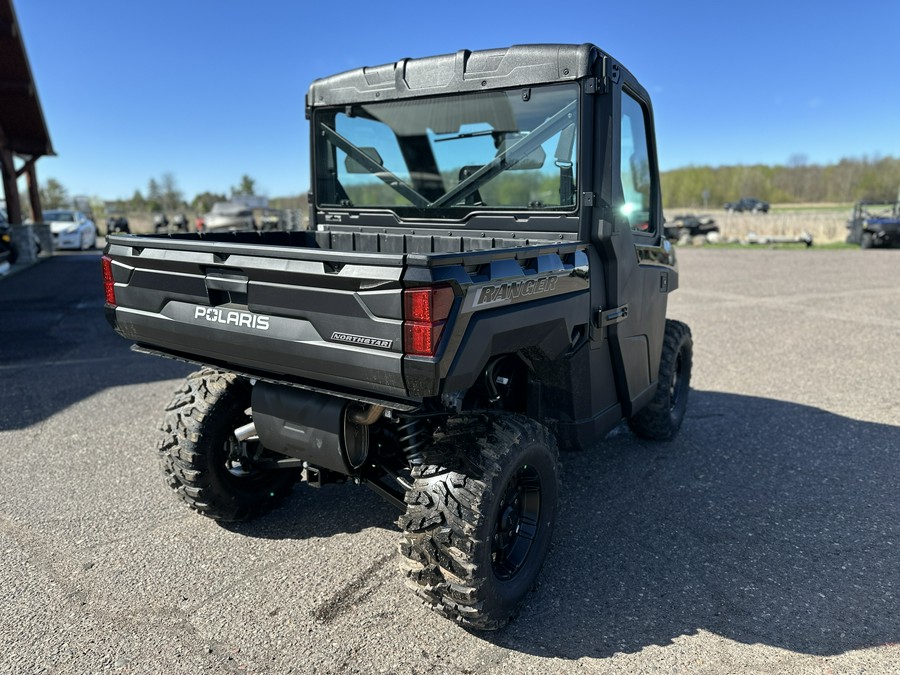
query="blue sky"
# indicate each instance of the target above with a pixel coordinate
(213, 89)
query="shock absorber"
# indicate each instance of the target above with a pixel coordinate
(412, 435)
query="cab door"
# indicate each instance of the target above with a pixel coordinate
(639, 262)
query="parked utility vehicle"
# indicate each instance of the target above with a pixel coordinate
(874, 224)
(748, 204)
(486, 280)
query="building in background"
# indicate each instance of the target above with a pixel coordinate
(23, 132)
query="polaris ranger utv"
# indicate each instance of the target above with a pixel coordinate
(874, 224)
(485, 281)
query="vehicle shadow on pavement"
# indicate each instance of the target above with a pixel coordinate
(56, 347)
(764, 522)
(321, 512)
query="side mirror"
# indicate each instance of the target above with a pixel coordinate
(353, 166)
(533, 160)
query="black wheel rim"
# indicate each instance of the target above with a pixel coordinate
(517, 524)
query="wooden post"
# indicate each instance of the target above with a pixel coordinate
(34, 195)
(13, 205)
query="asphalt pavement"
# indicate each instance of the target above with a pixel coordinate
(765, 539)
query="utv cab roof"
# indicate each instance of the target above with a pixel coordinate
(464, 71)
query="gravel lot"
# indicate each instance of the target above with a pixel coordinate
(765, 539)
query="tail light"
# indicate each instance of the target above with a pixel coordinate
(425, 313)
(109, 284)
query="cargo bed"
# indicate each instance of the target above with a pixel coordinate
(317, 307)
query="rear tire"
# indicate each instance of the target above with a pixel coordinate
(204, 463)
(479, 519)
(660, 420)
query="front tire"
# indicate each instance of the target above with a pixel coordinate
(204, 463)
(479, 519)
(661, 419)
(866, 241)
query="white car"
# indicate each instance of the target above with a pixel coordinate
(229, 216)
(71, 229)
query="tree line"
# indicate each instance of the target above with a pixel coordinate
(798, 181)
(848, 180)
(162, 194)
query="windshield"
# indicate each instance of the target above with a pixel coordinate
(445, 155)
(60, 216)
(230, 209)
(880, 210)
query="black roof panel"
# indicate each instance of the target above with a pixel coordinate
(519, 65)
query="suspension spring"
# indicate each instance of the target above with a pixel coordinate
(413, 438)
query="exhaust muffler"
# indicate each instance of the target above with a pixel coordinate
(326, 431)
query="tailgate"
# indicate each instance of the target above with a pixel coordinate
(306, 313)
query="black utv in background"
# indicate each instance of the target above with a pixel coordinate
(117, 222)
(748, 204)
(689, 225)
(484, 281)
(874, 223)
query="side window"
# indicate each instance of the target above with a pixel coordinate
(635, 166)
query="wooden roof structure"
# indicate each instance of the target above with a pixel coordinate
(23, 131)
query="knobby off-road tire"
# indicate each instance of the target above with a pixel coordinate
(200, 455)
(479, 518)
(866, 241)
(661, 419)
